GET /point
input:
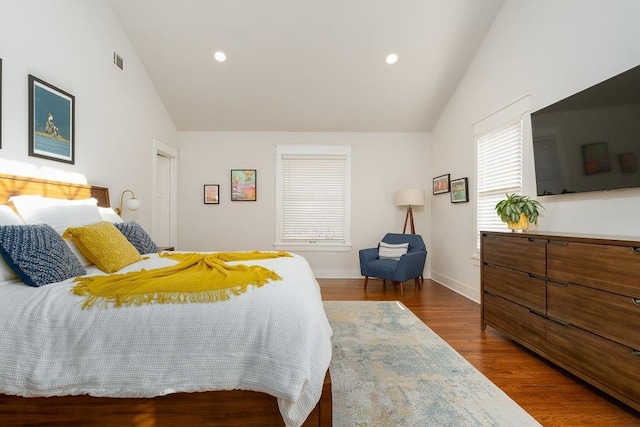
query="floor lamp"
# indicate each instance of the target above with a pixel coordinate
(410, 197)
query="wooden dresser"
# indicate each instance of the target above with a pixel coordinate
(573, 299)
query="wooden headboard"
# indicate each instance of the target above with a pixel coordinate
(11, 185)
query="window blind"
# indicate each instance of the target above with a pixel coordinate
(313, 198)
(499, 172)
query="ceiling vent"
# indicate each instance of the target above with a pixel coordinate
(118, 61)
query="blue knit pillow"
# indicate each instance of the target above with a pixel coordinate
(136, 235)
(38, 254)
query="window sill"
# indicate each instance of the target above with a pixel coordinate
(315, 247)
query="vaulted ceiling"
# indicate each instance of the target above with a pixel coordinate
(306, 65)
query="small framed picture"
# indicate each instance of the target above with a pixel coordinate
(243, 185)
(211, 194)
(595, 158)
(627, 162)
(459, 190)
(51, 122)
(441, 184)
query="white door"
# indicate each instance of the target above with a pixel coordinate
(162, 202)
(165, 194)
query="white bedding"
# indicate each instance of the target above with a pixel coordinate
(274, 339)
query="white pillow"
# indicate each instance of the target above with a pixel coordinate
(8, 217)
(108, 214)
(26, 205)
(392, 251)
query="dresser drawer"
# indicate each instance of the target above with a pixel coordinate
(515, 320)
(516, 286)
(610, 315)
(517, 252)
(611, 268)
(613, 365)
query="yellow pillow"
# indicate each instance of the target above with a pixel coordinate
(104, 245)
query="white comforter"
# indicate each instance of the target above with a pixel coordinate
(274, 339)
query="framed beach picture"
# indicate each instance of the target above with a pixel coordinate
(459, 190)
(51, 122)
(441, 184)
(212, 194)
(243, 185)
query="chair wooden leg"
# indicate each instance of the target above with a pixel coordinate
(401, 290)
(366, 280)
(416, 281)
(384, 283)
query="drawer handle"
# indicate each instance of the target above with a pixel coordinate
(558, 283)
(636, 353)
(636, 301)
(635, 250)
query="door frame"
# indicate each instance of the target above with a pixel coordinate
(173, 154)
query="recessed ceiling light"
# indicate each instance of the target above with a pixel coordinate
(392, 58)
(220, 56)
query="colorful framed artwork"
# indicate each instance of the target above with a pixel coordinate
(459, 190)
(441, 184)
(243, 185)
(211, 194)
(627, 162)
(595, 158)
(51, 122)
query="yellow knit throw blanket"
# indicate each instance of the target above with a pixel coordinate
(198, 277)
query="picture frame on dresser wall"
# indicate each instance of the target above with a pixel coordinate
(243, 185)
(441, 184)
(211, 194)
(459, 190)
(51, 122)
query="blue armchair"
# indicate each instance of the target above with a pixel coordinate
(409, 266)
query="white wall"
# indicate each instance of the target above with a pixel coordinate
(549, 49)
(381, 164)
(70, 44)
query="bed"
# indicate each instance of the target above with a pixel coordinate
(226, 382)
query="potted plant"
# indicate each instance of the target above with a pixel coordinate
(518, 211)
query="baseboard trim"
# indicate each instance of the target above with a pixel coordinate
(458, 287)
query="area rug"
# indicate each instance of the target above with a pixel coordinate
(390, 369)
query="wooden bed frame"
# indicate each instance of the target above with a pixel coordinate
(214, 408)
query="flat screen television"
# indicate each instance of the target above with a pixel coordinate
(590, 141)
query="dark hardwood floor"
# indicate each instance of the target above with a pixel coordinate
(552, 396)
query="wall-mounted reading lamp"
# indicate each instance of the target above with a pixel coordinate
(132, 204)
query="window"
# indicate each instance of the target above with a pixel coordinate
(313, 197)
(499, 156)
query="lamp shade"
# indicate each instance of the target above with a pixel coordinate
(410, 197)
(133, 204)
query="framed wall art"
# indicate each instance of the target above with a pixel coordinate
(243, 185)
(627, 162)
(441, 184)
(595, 158)
(211, 194)
(51, 122)
(459, 190)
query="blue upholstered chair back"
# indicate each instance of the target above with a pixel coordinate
(415, 241)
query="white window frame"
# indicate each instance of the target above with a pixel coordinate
(313, 151)
(516, 112)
